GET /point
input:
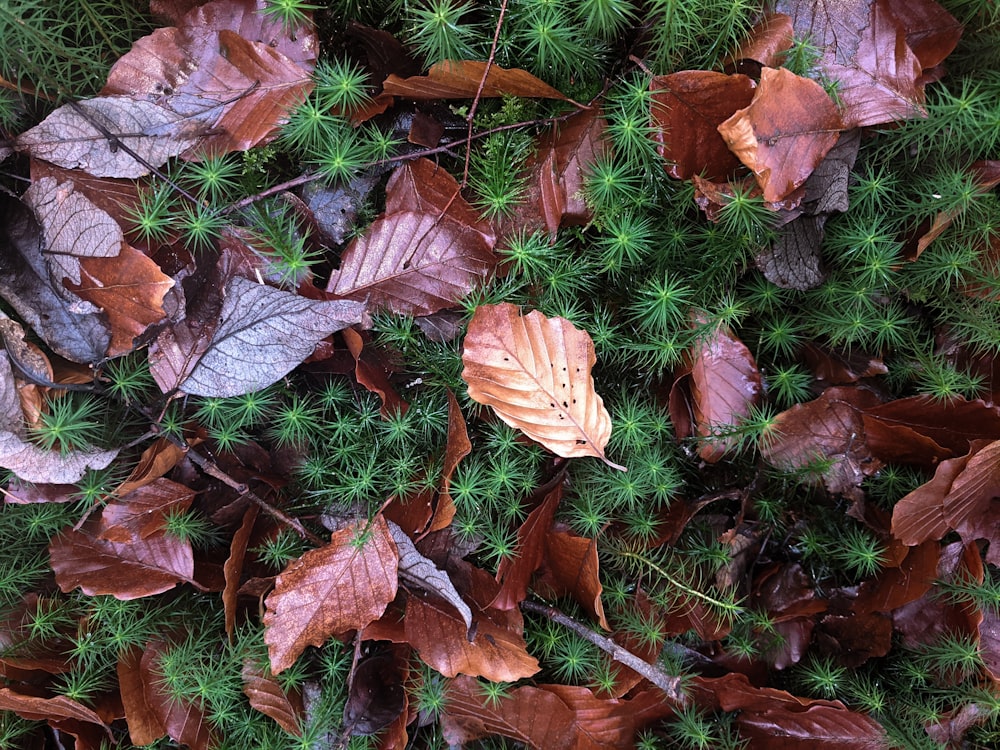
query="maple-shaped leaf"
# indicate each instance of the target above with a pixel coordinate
(228, 64)
(725, 386)
(687, 109)
(138, 567)
(77, 136)
(534, 372)
(785, 132)
(263, 334)
(341, 586)
(267, 696)
(427, 251)
(461, 79)
(865, 51)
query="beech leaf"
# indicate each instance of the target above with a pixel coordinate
(263, 334)
(421, 572)
(141, 566)
(460, 79)
(341, 586)
(43, 709)
(268, 697)
(71, 137)
(785, 131)
(534, 372)
(417, 258)
(688, 106)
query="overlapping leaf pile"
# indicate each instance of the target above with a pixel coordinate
(314, 518)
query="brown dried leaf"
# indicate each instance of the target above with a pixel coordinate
(72, 137)
(497, 650)
(263, 334)
(829, 428)
(687, 109)
(268, 697)
(372, 372)
(572, 569)
(144, 725)
(125, 570)
(420, 572)
(513, 574)
(785, 132)
(725, 386)
(767, 41)
(457, 447)
(182, 721)
(866, 52)
(793, 261)
(143, 512)
(417, 258)
(129, 289)
(228, 64)
(159, 458)
(232, 569)
(341, 586)
(534, 372)
(376, 695)
(460, 79)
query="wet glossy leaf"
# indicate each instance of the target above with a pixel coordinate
(262, 335)
(534, 372)
(768, 41)
(687, 108)
(341, 586)
(785, 132)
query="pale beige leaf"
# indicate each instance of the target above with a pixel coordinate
(75, 136)
(535, 373)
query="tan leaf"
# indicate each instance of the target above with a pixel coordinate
(143, 512)
(38, 708)
(515, 573)
(341, 586)
(534, 372)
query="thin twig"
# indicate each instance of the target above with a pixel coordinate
(669, 684)
(479, 92)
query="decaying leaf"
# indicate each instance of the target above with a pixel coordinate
(341, 586)
(424, 253)
(143, 512)
(262, 335)
(785, 131)
(534, 372)
(688, 106)
(75, 136)
(515, 573)
(267, 696)
(461, 79)
(376, 696)
(420, 572)
(182, 721)
(768, 40)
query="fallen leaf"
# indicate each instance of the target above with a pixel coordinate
(420, 572)
(793, 260)
(767, 41)
(931, 31)
(865, 52)
(232, 569)
(262, 335)
(48, 308)
(144, 725)
(461, 79)
(183, 721)
(39, 708)
(376, 696)
(336, 588)
(143, 512)
(159, 458)
(515, 573)
(228, 65)
(418, 259)
(687, 109)
(373, 375)
(76, 136)
(129, 289)
(572, 568)
(725, 387)
(785, 132)
(268, 697)
(457, 447)
(141, 566)
(986, 176)
(534, 372)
